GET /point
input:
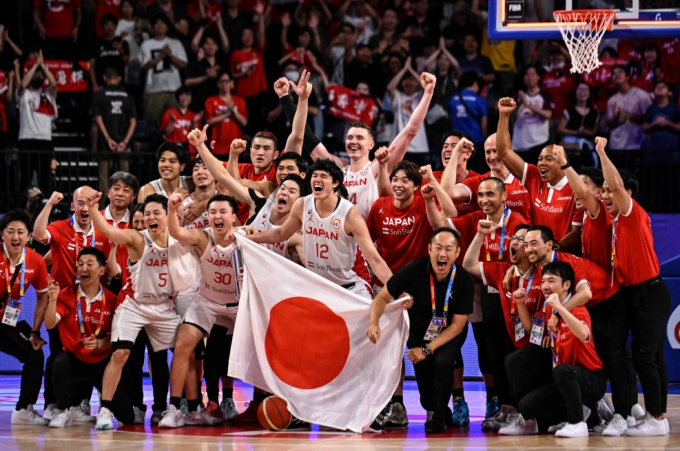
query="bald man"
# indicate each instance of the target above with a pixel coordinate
(66, 239)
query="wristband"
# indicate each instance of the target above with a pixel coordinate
(557, 314)
(566, 166)
(36, 333)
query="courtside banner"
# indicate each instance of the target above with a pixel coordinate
(303, 338)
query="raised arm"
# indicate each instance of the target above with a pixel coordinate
(510, 159)
(613, 178)
(576, 326)
(126, 237)
(576, 183)
(445, 202)
(356, 226)
(449, 184)
(303, 89)
(194, 237)
(293, 224)
(394, 82)
(434, 216)
(40, 227)
(50, 316)
(382, 156)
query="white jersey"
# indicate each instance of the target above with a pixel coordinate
(263, 222)
(218, 280)
(362, 188)
(158, 186)
(150, 281)
(200, 223)
(329, 251)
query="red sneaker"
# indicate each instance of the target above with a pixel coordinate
(213, 409)
(248, 416)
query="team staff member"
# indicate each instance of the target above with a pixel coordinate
(84, 311)
(552, 198)
(648, 298)
(577, 378)
(19, 268)
(438, 323)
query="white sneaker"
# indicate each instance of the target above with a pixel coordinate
(637, 412)
(519, 426)
(649, 426)
(605, 409)
(616, 427)
(668, 426)
(139, 415)
(104, 419)
(200, 418)
(631, 421)
(49, 411)
(556, 427)
(28, 416)
(228, 407)
(81, 413)
(573, 430)
(172, 418)
(62, 418)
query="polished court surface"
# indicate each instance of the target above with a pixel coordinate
(138, 437)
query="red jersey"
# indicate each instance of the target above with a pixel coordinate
(462, 207)
(518, 196)
(670, 59)
(402, 234)
(569, 350)
(106, 7)
(36, 276)
(634, 259)
(182, 125)
(96, 315)
(561, 83)
(466, 227)
(66, 240)
(552, 206)
(361, 268)
(492, 276)
(58, 16)
(122, 252)
(247, 171)
(253, 84)
(596, 238)
(227, 130)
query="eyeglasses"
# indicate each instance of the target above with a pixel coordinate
(518, 238)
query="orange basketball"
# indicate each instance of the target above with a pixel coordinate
(273, 414)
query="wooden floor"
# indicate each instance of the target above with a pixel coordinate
(84, 437)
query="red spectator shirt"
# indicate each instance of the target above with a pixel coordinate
(462, 207)
(670, 59)
(58, 18)
(569, 350)
(3, 93)
(66, 240)
(96, 314)
(492, 276)
(561, 83)
(552, 206)
(402, 234)
(518, 196)
(213, 11)
(596, 238)
(466, 227)
(122, 252)
(183, 124)
(106, 7)
(635, 260)
(36, 276)
(227, 130)
(253, 84)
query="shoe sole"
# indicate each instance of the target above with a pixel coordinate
(106, 427)
(396, 426)
(163, 426)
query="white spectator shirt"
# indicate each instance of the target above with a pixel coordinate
(628, 134)
(37, 110)
(164, 76)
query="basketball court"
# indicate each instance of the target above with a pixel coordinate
(84, 437)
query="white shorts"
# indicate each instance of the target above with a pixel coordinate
(205, 313)
(183, 301)
(160, 321)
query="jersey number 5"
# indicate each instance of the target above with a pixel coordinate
(163, 279)
(322, 250)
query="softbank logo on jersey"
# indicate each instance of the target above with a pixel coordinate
(673, 329)
(319, 232)
(548, 208)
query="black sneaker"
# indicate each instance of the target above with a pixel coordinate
(378, 424)
(297, 423)
(435, 427)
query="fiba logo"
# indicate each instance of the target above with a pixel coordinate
(336, 224)
(673, 329)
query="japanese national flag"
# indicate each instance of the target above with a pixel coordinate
(303, 338)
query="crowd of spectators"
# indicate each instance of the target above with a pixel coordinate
(176, 64)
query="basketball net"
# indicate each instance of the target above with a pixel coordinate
(582, 31)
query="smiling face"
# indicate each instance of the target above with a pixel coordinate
(490, 198)
(444, 251)
(169, 166)
(81, 209)
(409, 85)
(553, 284)
(535, 248)
(138, 221)
(447, 149)
(582, 92)
(221, 217)
(595, 190)
(202, 177)
(286, 195)
(549, 167)
(120, 194)
(262, 152)
(155, 218)
(322, 184)
(89, 270)
(609, 200)
(358, 143)
(402, 187)
(491, 156)
(15, 236)
(517, 251)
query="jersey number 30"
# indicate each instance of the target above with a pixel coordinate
(223, 278)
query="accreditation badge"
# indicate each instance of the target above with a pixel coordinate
(436, 326)
(519, 329)
(12, 311)
(537, 329)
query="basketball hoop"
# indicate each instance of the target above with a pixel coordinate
(582, 31)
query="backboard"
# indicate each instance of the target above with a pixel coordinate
(520, 19)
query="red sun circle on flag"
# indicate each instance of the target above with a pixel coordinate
(307, 345)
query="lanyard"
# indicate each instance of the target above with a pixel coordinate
(448, 293)
(92, 243)
(504, 223)
(528, 287)
(23, 274)
(80, 313)
(613, 250)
